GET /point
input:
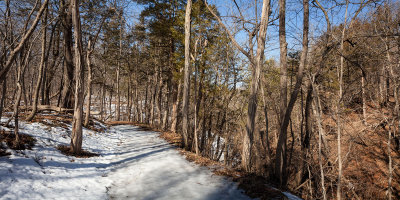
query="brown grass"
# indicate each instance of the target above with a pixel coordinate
(66, 150)
(25, 141)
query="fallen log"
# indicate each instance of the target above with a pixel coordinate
(53, 108)
(56, 109)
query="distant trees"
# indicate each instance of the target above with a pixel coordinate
(186, 76)
(10, 57)
(328, 105)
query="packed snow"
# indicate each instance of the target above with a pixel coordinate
(133, 164)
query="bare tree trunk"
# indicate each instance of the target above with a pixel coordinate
(306, 139)
(76, 136)
(118, 71)
(283, 58)
(281, 155)
(167, 97)
(364, 100)
(317, 114)
(252, 106)
(102, 101)
(110, 104)
(3, 97)
(175, 108)
(89, 83)
(7, 18)
(55, 44)
(390, 169)
(18, 100)
(186, 82)
(153, 100)
(21, 66)
(129, 106)
(16, 110)
(159, 98)
(24, 38)
(339, 108)
(266, 120)
(68, 76)
(41, 67)
(196, 138)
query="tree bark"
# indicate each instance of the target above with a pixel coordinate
(175, 107)
(66, 100)
(89, 80)
(283, 58)
(186, 82)
(252, 106)
(41, 67)
(281, 155)
(318, 115)
(390, 168)
(76, 136)
(364, 100)
(118, 72)
(89, 83)
(25, 37)
(339, 108)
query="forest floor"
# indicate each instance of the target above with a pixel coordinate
(131, 164)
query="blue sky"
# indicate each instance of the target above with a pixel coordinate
(293, 22)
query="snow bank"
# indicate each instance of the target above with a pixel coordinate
(132, 164)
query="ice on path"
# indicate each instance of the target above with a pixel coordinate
(152, 169)
(133, 164)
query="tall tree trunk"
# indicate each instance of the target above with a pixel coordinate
(175, 107)
(129, 98)
(110, 104)
(364, 100)
(196, 138)
(89, 83)
(159, 97)
(283, 58)
(89, 80)
(66, 18)
(281, 155)
(146, 102)
(167, 97)
(252, 106)
(41, 67)
(318, 114)
(21, 66)
(306, 139)
(18, 98)
(102, 101)
(186, 82)
(153, 99)
(390, 168)
(76, 136)
(118, 71)
(53, 65)
(3, 96)
(26, 35)
(339, 108)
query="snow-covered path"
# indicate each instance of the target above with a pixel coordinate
(133, 164)
(151, 169)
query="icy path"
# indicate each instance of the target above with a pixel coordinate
(133, 164)
(151, 169)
